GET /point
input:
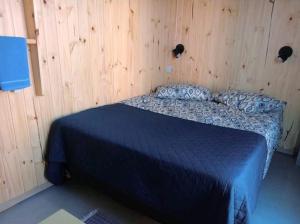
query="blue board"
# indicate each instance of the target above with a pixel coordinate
(14, 71)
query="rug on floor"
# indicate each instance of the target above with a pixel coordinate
(95, 217)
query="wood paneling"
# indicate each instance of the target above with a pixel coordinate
(283, 80)
(91, 52)
(234, 43)
(94, 52)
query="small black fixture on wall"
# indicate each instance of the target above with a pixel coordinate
(177, 52)
(284, 53)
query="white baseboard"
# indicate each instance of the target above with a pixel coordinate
(14, 201)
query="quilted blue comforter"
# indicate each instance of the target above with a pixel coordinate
(178, 171)
(267, 124)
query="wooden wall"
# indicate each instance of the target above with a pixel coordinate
(233, 44)
(94, 52)
(91, 53)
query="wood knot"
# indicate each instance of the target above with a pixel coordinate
(83, 40)
(67, 84)
(37, 32)
(187, 29)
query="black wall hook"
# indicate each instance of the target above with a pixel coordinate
(177, 52)
(284, 53)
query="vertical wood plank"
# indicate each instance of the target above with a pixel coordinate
(32, 34)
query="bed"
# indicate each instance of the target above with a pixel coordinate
(181, 161)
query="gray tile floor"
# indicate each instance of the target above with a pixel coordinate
(279, 201)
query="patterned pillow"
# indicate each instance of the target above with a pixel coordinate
(183, 92)
(249, 102)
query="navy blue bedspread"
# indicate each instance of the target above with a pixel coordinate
(181, 171)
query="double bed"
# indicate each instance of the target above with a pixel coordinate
(181, 161)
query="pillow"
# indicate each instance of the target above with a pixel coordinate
(249, 102)
(183, 92)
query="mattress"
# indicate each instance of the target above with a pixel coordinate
(268, 125)
(176, 170)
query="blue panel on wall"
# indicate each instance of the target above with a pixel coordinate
(14, 71)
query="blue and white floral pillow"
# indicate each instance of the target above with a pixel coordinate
(183, 92)
(249, 102)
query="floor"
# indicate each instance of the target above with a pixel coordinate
(279, 201)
